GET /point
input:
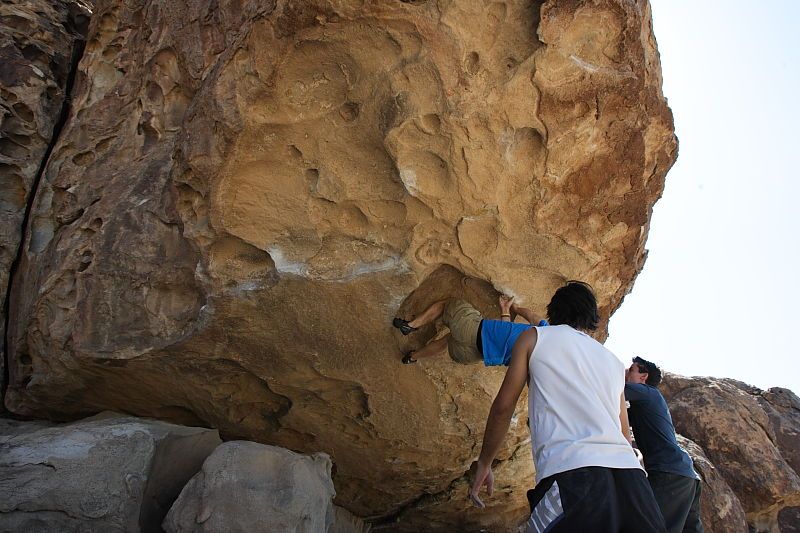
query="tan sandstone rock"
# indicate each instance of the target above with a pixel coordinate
(109, 473)
(40, 43)
(247, 192)
(727, 418)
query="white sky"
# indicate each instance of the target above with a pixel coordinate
(720, 291)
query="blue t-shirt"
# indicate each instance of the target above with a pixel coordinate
(654, 432)
(498, 338)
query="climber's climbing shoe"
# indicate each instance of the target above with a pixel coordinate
(408, 360)
(403, 326)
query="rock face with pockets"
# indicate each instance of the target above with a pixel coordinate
(109, 473)
(246, 192)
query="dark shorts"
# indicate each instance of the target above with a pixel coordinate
(678, 498)
(594, 499)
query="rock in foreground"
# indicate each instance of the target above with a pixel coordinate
(246, 486)
(109, 473)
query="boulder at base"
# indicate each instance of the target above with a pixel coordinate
(245, 486)
(106, 473)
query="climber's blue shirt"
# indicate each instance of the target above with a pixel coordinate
(498, 338)
(654, 432)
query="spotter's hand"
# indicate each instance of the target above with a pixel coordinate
(483, 476)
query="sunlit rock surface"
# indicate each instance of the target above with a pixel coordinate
(246, 193)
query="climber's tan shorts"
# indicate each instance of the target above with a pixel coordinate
(463, 321)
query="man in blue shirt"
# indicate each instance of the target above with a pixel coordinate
(472, 338)
(670, 470)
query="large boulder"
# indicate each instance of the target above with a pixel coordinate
(245, 486)
(40, 44)
(247, 192)
(735, 424)
(109, 473)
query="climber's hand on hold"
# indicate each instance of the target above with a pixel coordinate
(506, 302)
(483, 476)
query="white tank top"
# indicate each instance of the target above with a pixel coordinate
(573, 404)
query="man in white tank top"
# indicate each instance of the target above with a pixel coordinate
(587, 475)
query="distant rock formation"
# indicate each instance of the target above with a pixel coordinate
(245, 193)
(751, 436)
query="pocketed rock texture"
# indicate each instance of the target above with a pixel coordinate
(247, 192)
(749, 435)
(37, 40)
(246, 486)
(111, 473)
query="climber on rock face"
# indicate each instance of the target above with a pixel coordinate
(472, 338)
(670, 470)
(587, 475)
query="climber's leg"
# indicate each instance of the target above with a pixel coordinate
(429, 315)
